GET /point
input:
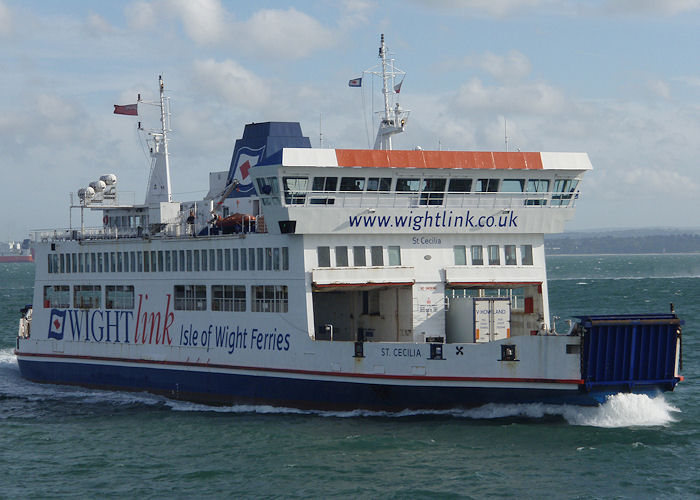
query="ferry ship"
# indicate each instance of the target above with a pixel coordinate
(334, 279)
(16, 251)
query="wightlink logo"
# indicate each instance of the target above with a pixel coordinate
(428, 220)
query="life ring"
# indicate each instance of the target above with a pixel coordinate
(105, 220)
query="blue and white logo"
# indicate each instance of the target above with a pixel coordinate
(56, 324)
(246, 158)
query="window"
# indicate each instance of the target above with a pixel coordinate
(212, 260)
(341, 256)
(407, 185)
(377, 254)
(81, 262)
(459, 186)
(563, 191)
(204, 260)
(190, 297)
(160, 261)
(513, 185)
(251, 259)
(228, 298)
(352, 184)
(526, 254)
(93, 260)
(146, 262)
(432, 191)
(295, 190)
(119, 297)
(74, 263)
(269, 298)
(275, 259)
(87, 296)
(359, 258)
(268, 259)
(139, 261)
(285, 258)
(510, 255)
(168, 265)
(394, 255)
(537, 186)
(219, 259)
(234, 259)
(227, 259)
(57, 296)
(99, 262)
(379, 184)
(494, 255)
(197, 260)
(120, 262)
(324, 256)
(260, 259)
(460, 252)
(113, 262)
(244, 259)
(189, 260)
(487, 185)
(182, 259)
(477, 255)
(324, 184)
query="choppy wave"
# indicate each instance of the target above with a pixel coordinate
(621, 410)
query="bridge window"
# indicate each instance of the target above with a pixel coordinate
(190, 297)
(324, 184)
(487, 185)
(513, 185)
(433, 191)
(341, 256)
(459, 186)
(407, 185)
(57, 296)
(119, 296)
(379, 184)
(352, 184)
(295, 190)
(563, 191)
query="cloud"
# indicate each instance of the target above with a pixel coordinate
(97, 26)
(289, 33)
(5, 20)
(498, 8)
(537, 98)
(659, 88)
(204, 20)
(231, 82)
(513, 65)
(649, 7)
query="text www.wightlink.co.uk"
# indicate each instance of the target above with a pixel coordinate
(429, 220)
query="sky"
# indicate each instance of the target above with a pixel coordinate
(617, 79)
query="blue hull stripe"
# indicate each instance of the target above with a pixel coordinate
(230, 388)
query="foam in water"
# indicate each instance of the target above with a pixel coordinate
(620, 410)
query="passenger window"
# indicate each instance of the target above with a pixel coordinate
(460, 186)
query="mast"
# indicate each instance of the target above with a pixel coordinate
(159, 188)
(392, 119)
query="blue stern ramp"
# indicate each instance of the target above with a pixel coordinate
(630, 353)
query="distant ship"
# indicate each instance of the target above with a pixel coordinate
(334, 279)
(16, 251)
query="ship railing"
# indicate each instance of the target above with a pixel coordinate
(154, 231)
(377, 199)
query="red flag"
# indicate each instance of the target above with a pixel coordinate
(129, 109)
(397, 88)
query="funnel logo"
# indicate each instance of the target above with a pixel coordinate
(246, 158)
(56, 324)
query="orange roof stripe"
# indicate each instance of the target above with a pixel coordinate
(438, 159)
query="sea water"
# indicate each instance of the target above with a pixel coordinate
(58, 441)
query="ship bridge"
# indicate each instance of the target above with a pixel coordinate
(322, 191)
